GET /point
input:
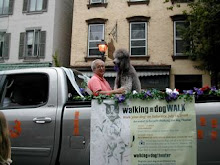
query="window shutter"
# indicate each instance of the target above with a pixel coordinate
(11, 4)
(44, 8)
(42, 44)
(21, 45)
(25, 5)
(6, 45)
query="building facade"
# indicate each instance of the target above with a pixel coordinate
(146, 29)
(32, 30)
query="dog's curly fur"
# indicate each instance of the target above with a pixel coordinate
(126, 76)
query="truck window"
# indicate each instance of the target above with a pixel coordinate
(71, 90)
(1, 77)
(25, 90)
(2, 84)
(80, 80)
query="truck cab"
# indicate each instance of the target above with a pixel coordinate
(33, 101)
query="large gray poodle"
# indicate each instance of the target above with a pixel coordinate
(126, 74)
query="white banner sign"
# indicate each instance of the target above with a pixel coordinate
(143, 133)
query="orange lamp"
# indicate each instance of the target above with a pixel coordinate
(102, 46)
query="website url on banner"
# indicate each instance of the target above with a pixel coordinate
(152, 155)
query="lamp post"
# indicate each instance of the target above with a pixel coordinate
(102, 48)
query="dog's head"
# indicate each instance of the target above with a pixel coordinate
(112, 111)
(121, 60)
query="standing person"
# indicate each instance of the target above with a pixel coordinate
(5, 145)
(98, 84)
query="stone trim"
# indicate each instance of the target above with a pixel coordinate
(96, 21)
(31, 59)
(138, 2)
(24, 65)
(133, 57)
(138, 19)
(179, 57)
(178, 17)
(181, 1)
(91, 58)
(161, 67)
(97, 5)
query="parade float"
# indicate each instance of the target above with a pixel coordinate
(152, 127)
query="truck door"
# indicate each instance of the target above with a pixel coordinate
(29, 103)
(208, 142)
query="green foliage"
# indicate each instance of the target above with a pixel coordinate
(174, 4)
(100, 98)
(84, 84)
(186, 97)
(203, 34)
(151, 94)
(200, 94)
(55, 59)
(85, 98)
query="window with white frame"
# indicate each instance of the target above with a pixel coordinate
(32, 43)
(96, 34)
(6, 7)
(4, 44)
(96, 1)
(180, 46)
(35, 5)
(138, 38)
